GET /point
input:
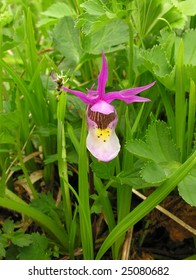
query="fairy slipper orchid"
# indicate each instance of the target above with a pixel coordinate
(102, 118)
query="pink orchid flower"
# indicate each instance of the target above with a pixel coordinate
(102, 118)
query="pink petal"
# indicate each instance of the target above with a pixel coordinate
(102, 78)
(128, 95)
(84, 97)
(103, 107)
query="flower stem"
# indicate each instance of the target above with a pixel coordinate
(83, 190)
(62, 160)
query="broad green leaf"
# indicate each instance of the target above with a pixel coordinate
(8, 226)
(187, 188)
(104, 170)
(59, 10)
(187, 7)
(37, 250)
(172, 15)
(94, 7)
(140, 148)
(6, 17)
(167, 43)
(9, 124)
(46, 204)
(130, 178)
(161, 59)
(109, 38)
(95, 17)
(46, 22)
(21, 239)
(156, 61)
(9, 120)
(145, 21)
(6, 138)
(153, 173)
(2, 250)
(189, 42)
(152, 16)
(97, 206)
(91, 24)
(67, 40)
(158, 147)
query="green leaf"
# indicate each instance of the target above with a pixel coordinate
(139, 148)
(38, 250)
(94, 7)
(109, 38)
(21, 239)
(161, 59)
(189, 41)
(187, 188)
(46, 204)
(59, 10)
(95, 17)
(152, 16)
(158, 147)
(67, 40)
(104, 170)
(173, 16)
(131, 177)
(91, 24)
(46, 222)
(9, 123)
(156, 61)
(160, 152)
(2, 250)
(145, 21)
(153, 173)
(187, 7)
(97, 206)
(8, 226)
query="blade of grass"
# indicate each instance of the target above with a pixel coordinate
(148, 205)
(23, 89)
(33, 68)
(73, 233)
(191, 117)
(25, 172)
(46, 222)
(62, 160)
(107, 207)
(36, 89)
(168, 107)
(180, 104)
(73, 137)
(1, 80)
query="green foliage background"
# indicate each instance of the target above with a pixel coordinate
(43, 130)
